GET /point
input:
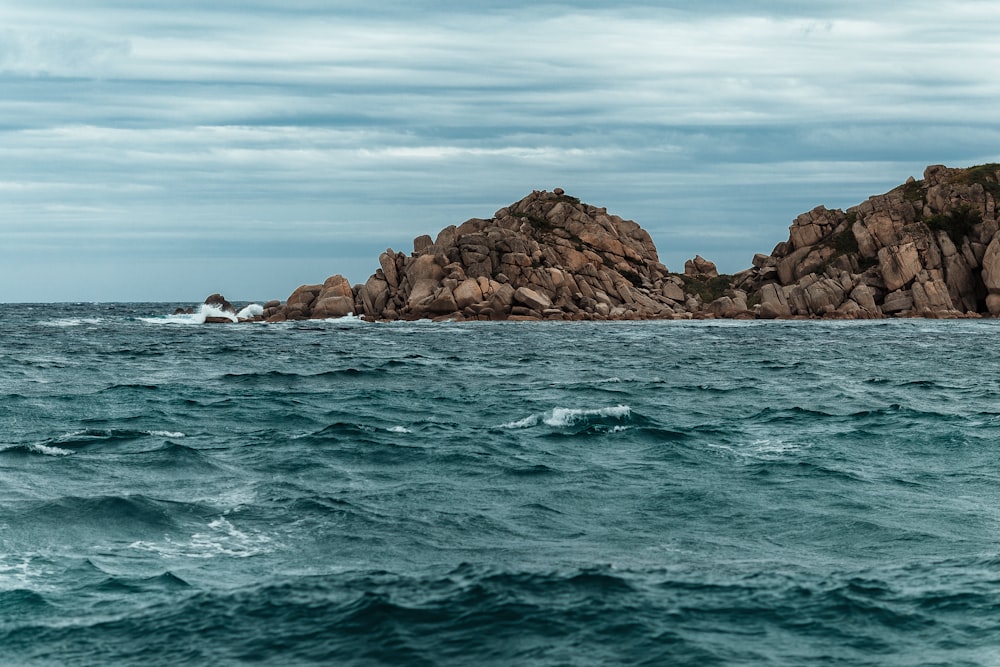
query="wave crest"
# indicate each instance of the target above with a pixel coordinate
(562, 417)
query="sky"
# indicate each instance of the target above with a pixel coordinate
(163, 151)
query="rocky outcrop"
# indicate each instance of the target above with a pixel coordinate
(927, 248)
(546, 257)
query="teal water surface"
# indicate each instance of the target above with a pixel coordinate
(682, 493)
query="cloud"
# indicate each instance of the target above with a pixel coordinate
(273, 129)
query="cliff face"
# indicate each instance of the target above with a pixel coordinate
(927, 248)
(547, 256)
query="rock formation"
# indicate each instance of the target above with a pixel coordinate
(547, 256)
(927, 248)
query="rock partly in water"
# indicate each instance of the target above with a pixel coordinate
(546, 257)
(928, 248)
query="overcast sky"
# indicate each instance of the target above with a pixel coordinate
(161, 151)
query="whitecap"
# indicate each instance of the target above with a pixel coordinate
(253, 310)
(527, 422)
(72, 321)
(398, 429)
(203, 313)
(570, 416)
(221, 538)
(21, 572)
(350, 318)
(49, 451)
(776, 446)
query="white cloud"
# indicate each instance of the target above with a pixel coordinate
(245, 123)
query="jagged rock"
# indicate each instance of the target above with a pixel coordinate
(221, 303)
(928, 247)
(897, 302)
(899, 264)
(862, 295)
(421, 243)
(699, 266)
(532, 299)
(915, 249)
(991, 275)
(724, 306)
(299, 303)
(388, 262)
(774, 302)
(336, 299)
(468, 292)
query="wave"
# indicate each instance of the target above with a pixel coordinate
(73, 322)
(100, 514)
(285, 377)
(35, 449)
(168, 581)
(219, 538)
(562, 417)
(90, 437)
(205, 311)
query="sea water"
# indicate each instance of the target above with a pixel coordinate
(338, 492)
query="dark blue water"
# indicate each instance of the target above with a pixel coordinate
(739, 493)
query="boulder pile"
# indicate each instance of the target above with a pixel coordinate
(928, 248)
(547, 256)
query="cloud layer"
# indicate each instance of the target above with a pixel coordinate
(162, 152)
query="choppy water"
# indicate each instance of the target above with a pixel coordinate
(755, 493)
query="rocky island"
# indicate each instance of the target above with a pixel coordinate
(928, 248)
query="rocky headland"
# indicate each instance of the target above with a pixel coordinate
(928, 248)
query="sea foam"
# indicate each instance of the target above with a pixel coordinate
(569, 416)
(204, 312)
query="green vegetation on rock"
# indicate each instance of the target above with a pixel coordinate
(709, 289)
(913, 191)
(985, 175)
(957, 223)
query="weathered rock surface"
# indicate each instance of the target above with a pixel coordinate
(927, 248)
(547, 256)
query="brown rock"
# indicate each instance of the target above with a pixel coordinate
(991, 268)
(899, 264)
(423, 291)
(468, 292)
(774, 302)
(220, 302)
(897, 302)
(699, 266)
(387, 261)
(931, 296)
(332, 307)
(299, 302)
(421, 243)
(532, 299)
(443, 302)
(423, 267)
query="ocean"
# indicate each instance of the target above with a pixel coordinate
(493, 493)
